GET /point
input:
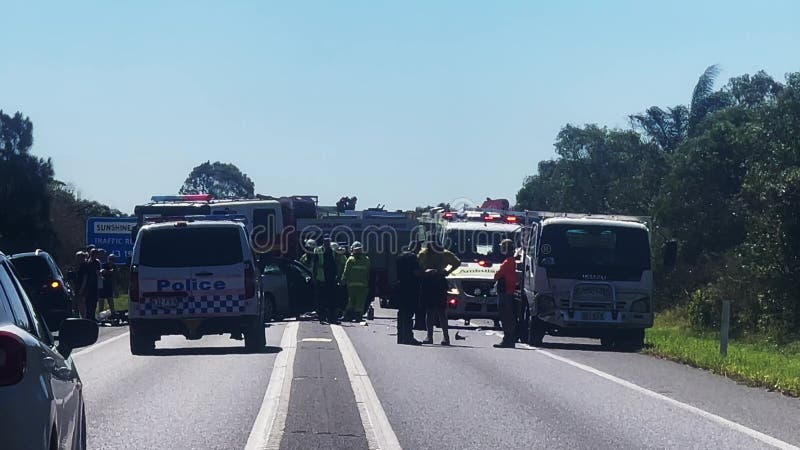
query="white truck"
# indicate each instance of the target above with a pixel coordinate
(586, 276)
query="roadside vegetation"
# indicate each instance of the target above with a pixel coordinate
(752, 359)
(721, 176)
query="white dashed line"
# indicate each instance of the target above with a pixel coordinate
(268, 428)
(379, 432)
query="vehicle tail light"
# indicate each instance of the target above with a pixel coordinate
(13, 358)
(449, 216)
(133, 287)
(484, 263)
(452, 303)
(512, 219)
(249, 280)
(55, 284)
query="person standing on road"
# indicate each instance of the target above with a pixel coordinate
(107, 292)
(356, 278)
(407, 293)
(436, 263)
(341, 292)
(327, 282)
(91, 284)
(75, 278)
(506, 278)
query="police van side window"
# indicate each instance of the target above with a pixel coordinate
(18, 313)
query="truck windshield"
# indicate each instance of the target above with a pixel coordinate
(475, 245)
(191, 246)
(594, 247)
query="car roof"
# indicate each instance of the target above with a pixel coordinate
(599, 222)
(40, 253)
(193, 224)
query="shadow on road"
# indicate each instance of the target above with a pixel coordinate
(596, 348)
(213, 351)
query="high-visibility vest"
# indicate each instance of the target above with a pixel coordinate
(356, 271)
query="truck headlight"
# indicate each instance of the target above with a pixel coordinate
(641, 306)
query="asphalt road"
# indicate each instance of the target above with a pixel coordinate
(209, 393)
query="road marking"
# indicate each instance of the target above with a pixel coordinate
(268, 428)
(317, 340)
(767, 439)
(100, 344)
(380, 434)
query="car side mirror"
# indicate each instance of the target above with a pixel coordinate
(76, 333)
(670, 254)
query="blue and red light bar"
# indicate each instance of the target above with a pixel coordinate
(182, 198)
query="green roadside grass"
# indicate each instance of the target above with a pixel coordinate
(751, 362)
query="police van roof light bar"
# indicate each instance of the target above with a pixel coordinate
(182, 198)
(199, 217)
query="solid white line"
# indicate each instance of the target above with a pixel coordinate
(380, 434)
(100, 344)
(271, 420)
(686, 407)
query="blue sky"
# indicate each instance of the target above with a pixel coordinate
(402, 103)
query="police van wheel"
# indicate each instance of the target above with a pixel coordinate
(141, 343)
(254, 337)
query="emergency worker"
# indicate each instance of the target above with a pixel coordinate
(436, 263)
(307, 259)
(92, 283)
(340, 252)
(506, 278)
(356, 278)
(407, 293)
(327, 283)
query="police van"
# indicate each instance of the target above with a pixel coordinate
(194, 276)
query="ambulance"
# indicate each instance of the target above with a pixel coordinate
(474, 236)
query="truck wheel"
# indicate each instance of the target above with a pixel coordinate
(535, 331)
(254, 337)
(631, 341)
(141, 342)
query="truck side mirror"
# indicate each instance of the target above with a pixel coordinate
(670, 254)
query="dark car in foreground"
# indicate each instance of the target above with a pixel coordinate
(46, 286)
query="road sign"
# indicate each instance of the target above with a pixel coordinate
(112, 234)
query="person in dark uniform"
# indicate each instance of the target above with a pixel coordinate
(407, 294)
(91, 284)
(436, 263)
(327, 287)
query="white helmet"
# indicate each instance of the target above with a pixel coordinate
(335, 246)
(311, 243)
(356, 246)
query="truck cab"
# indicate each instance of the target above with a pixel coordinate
(587, 276)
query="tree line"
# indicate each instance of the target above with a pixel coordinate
(721, 175)
(38, 210)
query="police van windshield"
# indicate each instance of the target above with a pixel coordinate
(476, 245)
(191, 247)
(588, 247)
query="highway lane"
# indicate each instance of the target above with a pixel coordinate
(475, 396)
(208, 393)
(201, 394)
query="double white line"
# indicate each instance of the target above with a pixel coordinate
(270, 423)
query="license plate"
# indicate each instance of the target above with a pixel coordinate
(593, 292)
(166, 302)
(592, 315)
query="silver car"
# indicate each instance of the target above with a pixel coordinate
(40, 391)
